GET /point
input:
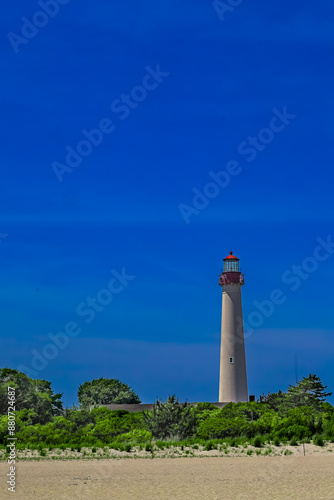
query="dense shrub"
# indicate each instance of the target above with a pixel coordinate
(136, 435)
(318, 440)
(220, 427)
(170, 420)
(257, 441)
(110, 424)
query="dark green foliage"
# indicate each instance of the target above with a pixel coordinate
(275, 401)
(110, 424)
(293, 441)
(249, 411)
(219, 427)
(104, 426)
(308, 392)
(104, 391)
(257, 441)
(318, 440)
(299, 422)
(170, 419)
(80, 418)
(277, 418)
(237, 419)
(210, 445)
(204, 406)
(35, 396)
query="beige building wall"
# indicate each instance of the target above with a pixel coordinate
(233, 375)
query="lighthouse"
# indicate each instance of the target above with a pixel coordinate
(232, 375)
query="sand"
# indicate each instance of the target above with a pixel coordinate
(231, 478)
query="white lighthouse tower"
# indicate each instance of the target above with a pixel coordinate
(233, 375)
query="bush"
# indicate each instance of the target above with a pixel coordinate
(210, 446)
(318, 440)
(170, 419)
(110, 424)
(257, 441)
(136, 435)
(293, 442)
(148, 447)
(205, 406)
(218, 427)
(160, 445)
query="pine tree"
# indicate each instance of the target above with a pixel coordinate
(308, 392)
(170, 419)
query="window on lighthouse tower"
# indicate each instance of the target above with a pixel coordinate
(231, 360)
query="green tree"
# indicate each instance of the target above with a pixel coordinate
(170, 419)
(30, 394)
(104, 391)
(275, 400)
(308, 392)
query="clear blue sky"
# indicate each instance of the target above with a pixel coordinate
(214, 86)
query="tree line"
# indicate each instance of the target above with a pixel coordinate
(299, 414)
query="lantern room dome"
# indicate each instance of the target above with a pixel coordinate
(231, 257)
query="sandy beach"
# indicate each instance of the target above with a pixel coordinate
(233, 478)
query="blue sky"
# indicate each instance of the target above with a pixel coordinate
(120, 207)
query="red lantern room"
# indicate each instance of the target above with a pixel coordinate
(231, 264)
(231, 273)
